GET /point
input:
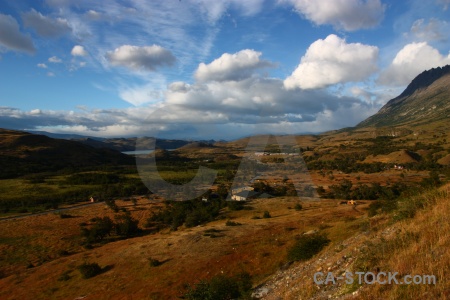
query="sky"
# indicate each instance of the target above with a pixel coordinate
(202, 69)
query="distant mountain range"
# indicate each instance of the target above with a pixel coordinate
(22, 153)
(123, 144)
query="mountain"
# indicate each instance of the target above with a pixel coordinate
(65, 136)
(22, 153)
(129, 144)
(426, 100)
(119, 144)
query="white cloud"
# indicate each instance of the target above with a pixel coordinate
(93, 15)
(140, 58)
(51, 74)
(434, 30)
(179, 87)
(348, 15)
(235, 66)
(445, 3)
(43, 66)
(78, 51)
(45, 26)
(214, 10)
(410, 61)
(331, 61)
(55, 60)
(151, 92)
(11, 37)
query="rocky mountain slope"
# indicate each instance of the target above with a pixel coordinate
(425, 100)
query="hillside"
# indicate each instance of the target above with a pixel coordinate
(411, 241)
(22, 153)
(425, 100)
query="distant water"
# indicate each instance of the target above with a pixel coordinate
(138, 152)
(141, 152)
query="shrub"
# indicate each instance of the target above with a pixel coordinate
(266, 215)
(298, 206)
(154, 262)
(222, 288)
(232, 223)
(64, 276)
(101, 228)
(374, 207)
(89, 270)
(235, 205)
(307, 246)
(112, 204)
(126, 225)
(65, 216)
(63, 252)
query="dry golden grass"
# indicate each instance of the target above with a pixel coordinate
(415, 246)
(258, 246)
(399, 157)
(426, 254)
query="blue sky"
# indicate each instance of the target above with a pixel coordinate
(211, 68)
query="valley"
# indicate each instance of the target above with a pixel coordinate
(78, 221)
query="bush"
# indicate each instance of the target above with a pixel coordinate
(307, 246)
(298, 206)
(99, 230)
(112, 204)
(89, 270)
(126, 225)
(232, 223)
(65, 216)
(222, 288)
(235, 205)
(266, 215)
(64, 276)
(154, 262)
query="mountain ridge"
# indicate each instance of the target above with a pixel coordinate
(425, 100)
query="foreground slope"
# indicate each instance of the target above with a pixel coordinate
(414, 240)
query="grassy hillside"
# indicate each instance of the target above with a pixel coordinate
(425, 100)
(412, 239)
(23, 153)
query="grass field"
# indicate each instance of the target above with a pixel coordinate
(257, 246)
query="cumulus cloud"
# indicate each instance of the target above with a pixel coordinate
(78, 51)
(349, 15)
(43, 66)
(11, 37)
(45, 26)
(410, 61)
(253, 100)
(331, 61)
(434, 30)
(140, 58)
(55, 60)
(235, 66)
(226, 109)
